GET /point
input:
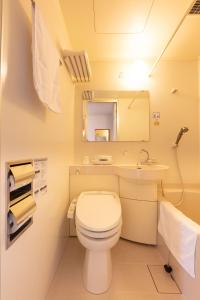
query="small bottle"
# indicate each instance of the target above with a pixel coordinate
(86, 160)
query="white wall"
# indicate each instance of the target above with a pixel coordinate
(0, 119)
(28, 130)
(177, 110)
(199, 103)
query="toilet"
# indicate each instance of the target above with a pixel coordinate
(98, 226)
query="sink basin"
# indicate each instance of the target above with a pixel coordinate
(143, 172)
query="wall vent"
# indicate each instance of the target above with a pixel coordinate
(195, 8)
(88, 95)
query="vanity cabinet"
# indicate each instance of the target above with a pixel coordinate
(139, 210)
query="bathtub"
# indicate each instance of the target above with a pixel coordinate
(190, 207)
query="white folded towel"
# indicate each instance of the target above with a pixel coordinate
(180, 235)
(45, 63)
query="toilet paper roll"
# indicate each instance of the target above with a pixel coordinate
(13, 225)
(14, 186)
(22, 172)
(22, 210)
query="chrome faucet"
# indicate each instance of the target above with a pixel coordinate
(144, 161)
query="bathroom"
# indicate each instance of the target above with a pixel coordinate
(45, 262)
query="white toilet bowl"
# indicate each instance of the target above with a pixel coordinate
(98, 226)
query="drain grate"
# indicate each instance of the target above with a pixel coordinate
(195, 9)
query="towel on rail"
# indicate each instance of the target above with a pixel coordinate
(45, 63)
(180, 235)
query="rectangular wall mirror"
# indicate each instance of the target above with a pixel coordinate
(115, 116)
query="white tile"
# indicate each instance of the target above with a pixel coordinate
(74, 252)
(115, 296)
(131, 277)
(130, 252)
(143, 296)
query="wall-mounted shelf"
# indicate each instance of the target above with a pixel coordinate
(77, 65)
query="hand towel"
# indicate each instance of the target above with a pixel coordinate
(45, 63)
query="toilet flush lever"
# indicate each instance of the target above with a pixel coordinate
(71, 209)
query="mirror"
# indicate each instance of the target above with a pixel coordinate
(115, 116)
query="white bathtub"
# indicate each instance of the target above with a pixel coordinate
(190, 206)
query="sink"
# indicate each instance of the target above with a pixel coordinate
(152, 172)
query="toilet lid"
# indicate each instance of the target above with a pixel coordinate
(98, 211)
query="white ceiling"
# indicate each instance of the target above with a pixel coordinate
(120, 17)
(102, 28)
(186, 43)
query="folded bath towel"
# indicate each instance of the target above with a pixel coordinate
(180, 235)
(45, 63)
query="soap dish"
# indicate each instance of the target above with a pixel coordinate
(102, 160)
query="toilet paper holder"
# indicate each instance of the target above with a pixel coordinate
(20, 202)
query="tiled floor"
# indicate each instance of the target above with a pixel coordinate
(132, 279)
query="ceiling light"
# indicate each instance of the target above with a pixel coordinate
(135, 75)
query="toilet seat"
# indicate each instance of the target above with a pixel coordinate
(98, 213)
(99, 234)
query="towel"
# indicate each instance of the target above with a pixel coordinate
(180, 235)
(45, 63)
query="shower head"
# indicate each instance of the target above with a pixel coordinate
(184, 129)
(180, 134)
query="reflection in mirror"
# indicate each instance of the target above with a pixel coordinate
(102, 135)
(116, 115)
